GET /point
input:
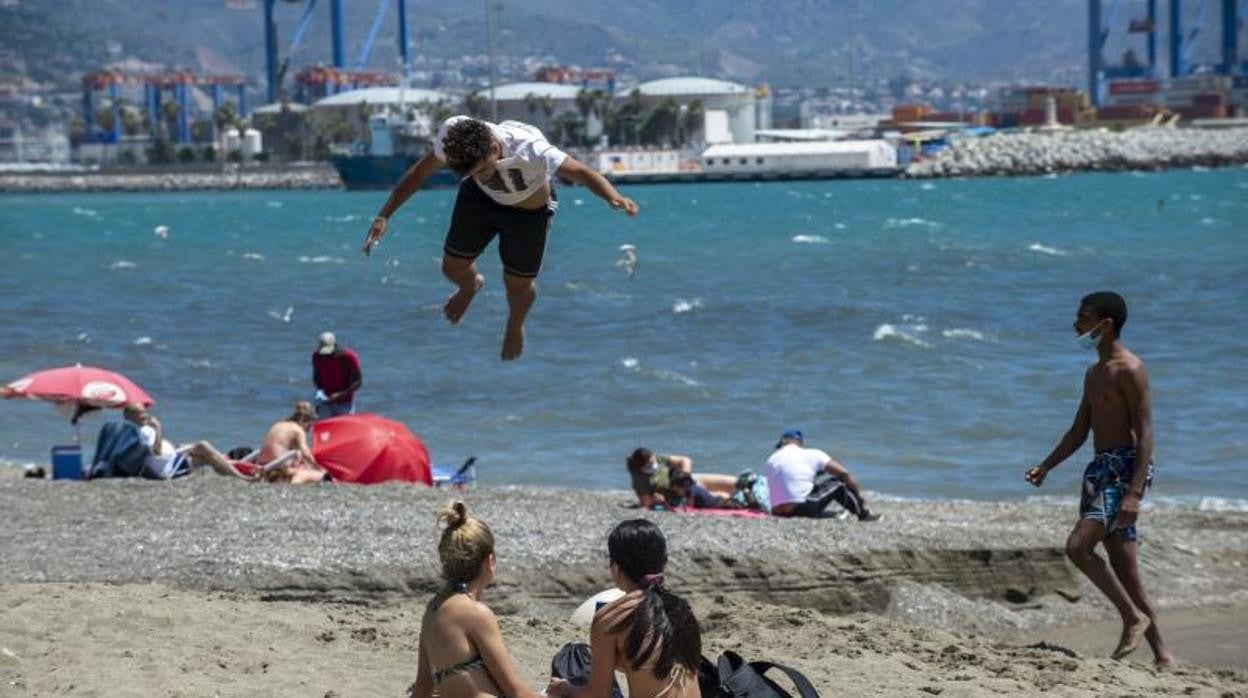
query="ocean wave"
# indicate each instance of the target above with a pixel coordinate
(685, 306)
(1208, 221)
(810, 239)
(909, 222)
(142, 341)
(342, 219)
(927, 186)
(273, 204)
(321, 259)
(1045, 249)
(962, 333)
(632, 364)
(88, 212)
(197, 363)
(909, 335)
(122, 264)
(253, 255)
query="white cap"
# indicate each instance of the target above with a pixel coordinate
(327, 342)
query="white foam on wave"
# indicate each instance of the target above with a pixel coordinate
(342, 219)
(685, 306)
(909, 222)
(963, 333)
(88, 212)
(1222, 504)
(1208, 221)
(253, 255)
(810, 239)
(322, 259)
(908, 335)
(143, 341)
(198, 363)
(122, 264)
(632, 364)
(927, 186)
(273, 204)
(1045, 249)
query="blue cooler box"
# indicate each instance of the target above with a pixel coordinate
(67, 462)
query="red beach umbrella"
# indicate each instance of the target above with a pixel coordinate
(85, 386)
(367, 449)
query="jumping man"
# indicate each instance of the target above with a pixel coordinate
(507, 190)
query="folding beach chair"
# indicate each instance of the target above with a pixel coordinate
(463, 478)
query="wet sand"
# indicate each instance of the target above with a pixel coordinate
(210, 586)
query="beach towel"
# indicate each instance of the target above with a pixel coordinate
(735, 513)
(119, 451)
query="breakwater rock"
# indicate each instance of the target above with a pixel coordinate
(169, 180)
(1086, 151)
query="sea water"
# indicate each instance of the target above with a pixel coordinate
(920, 332)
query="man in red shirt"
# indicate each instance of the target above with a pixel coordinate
(336, 373)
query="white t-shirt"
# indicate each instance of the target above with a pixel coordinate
(529, 160)
(791, 472)
(163, 463)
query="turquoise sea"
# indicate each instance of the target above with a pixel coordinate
(918, 331)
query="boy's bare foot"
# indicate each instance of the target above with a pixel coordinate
(457, 304)
(513, 341)
(1132, 636)
(1164, 663)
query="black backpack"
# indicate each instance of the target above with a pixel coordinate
(733, 677)
(571, 663)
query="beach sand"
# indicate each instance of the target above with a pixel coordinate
(213, 587)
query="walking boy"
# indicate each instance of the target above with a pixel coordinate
(507, 190)
(1116, 408)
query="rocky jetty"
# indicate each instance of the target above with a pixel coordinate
(1037, 153)
(320, 177)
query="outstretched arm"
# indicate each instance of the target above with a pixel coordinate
(1140, 412)
(1071, 441)
(574, 170)
(411, 181)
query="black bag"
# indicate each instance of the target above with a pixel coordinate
(733, 677)
(571, 663)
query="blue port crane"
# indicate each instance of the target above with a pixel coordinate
(1101, 24)
(276, 67)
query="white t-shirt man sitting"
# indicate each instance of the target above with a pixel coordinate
(804, 481)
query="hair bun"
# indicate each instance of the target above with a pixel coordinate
(455, 515)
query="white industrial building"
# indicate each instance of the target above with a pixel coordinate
(814, 159)
(419, 103)
(540, 103)
(732, 110)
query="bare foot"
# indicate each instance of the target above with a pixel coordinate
(457, 304)
(513, 341)
(1165, 663)
(1132, 636)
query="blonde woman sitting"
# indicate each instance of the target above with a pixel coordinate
(462, 654)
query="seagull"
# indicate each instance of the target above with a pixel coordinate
(284, 317)
(629, 260)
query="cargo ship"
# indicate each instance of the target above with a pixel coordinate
(392, 148)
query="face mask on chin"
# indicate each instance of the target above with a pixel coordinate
(1090, 339)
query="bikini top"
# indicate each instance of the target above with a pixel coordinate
(440, 675)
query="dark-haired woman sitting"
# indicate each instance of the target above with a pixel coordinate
(461, 649)
(650, 634)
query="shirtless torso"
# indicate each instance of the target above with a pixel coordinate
(283, 437)
(1106, 387)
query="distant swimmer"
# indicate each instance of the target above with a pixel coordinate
(1117, 410)
(507, 190)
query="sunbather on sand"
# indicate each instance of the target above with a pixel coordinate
(461, 652)
(167, 461)
(284, 437)
(651, 475)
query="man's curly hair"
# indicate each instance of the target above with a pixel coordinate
(466, 143)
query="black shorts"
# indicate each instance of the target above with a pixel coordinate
(521, 232)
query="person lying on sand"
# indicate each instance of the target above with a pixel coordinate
(649, 633)
(461, 653)
(288, 435)
(1117, 409)
(651, 474)
(166, 461)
